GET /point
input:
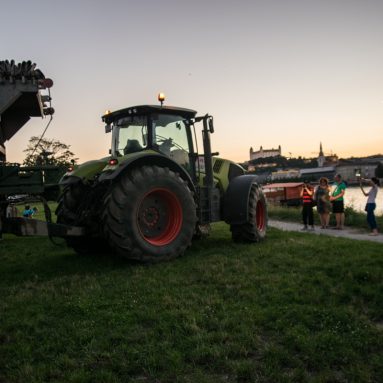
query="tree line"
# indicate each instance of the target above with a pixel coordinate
(48, 151)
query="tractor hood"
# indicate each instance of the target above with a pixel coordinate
(90, 170)
(85, 172)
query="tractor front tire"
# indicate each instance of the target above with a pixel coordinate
(149, 215)
(254, 229)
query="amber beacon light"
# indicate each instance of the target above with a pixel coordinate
(161, 98)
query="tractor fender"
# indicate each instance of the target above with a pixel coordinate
(236, 199)
(148, 159)
(69, 180)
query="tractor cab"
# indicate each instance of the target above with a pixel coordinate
(166, 130)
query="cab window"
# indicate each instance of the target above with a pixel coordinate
(131, 135)
(170, 138)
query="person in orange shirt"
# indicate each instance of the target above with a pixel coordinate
(307, 194)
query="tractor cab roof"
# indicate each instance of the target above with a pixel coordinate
(148, 109)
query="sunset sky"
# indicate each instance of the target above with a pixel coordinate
(273, 72)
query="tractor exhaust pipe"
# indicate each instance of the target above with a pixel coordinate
(207, 129)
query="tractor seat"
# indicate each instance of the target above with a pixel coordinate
(132, 146)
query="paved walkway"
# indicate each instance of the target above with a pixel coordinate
(346, 233)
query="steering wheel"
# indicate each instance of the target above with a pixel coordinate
(169, 143)
(162, 140)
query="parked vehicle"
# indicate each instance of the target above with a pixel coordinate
(154, 192)
(149, 198)
(284, 193)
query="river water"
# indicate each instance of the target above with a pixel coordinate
(356, 199)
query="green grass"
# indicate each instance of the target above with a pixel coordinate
(294, 214)
(294, 308)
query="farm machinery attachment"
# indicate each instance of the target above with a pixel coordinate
(24, 93)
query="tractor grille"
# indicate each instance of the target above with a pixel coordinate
(217, 165)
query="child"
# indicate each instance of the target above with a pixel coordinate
(28, 212)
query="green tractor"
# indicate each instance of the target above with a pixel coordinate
(154, 193)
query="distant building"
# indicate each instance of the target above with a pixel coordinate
(323, 160)
(348, 172)
(313, 174)
(285, 174)
(364, 166)
(265, 153)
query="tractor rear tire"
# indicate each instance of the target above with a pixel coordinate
(254, 230)
(69, 212)
(149, 215)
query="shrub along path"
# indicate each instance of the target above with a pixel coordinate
(347, 232)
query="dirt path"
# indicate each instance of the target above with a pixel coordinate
(346, 233)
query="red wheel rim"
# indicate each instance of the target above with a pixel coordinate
(260, 215)
(159, 217)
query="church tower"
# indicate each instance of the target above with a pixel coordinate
(321, 158)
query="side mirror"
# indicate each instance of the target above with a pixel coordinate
(211, 125)
(108, 128)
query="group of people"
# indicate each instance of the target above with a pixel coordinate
(328, 199)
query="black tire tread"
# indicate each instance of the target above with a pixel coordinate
(119, 201)
(249, 232)
(68, 212)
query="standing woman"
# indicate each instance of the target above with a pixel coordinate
(371, 204)
(307, 194)
(322, 198)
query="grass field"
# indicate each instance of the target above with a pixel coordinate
(295, 308)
